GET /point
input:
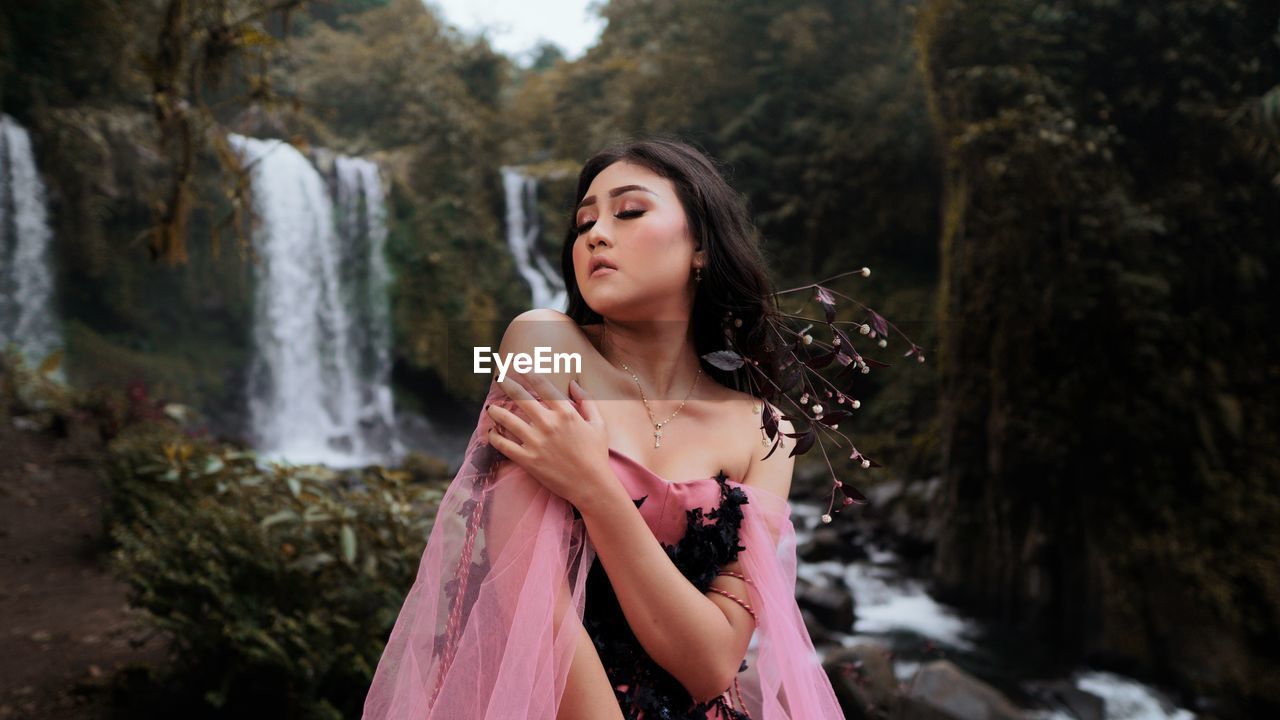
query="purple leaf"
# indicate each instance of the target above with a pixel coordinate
(768, 421)
(833, 418)
(878, 323)
(776, 444)
(803, 442)
(828, 302)
(820, 361)
(726, 360)
(853, 492)
(791, 378)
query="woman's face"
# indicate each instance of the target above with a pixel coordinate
(632, 216)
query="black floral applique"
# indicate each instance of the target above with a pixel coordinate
(709, 543)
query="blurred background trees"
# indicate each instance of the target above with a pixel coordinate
(1075, 203)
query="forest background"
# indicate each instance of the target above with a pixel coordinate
(1074, 206)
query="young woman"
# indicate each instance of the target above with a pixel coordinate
(615, 544)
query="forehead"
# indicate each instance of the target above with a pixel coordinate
(627, 173)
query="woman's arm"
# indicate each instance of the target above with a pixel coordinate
(587, 695)
(700, 639)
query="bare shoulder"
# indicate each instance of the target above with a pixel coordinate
(542, 327)
(551, 330)
(772, 474)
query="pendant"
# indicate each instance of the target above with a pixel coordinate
(657, 435)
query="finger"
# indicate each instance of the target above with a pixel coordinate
(586, 404)
(511, 449)
(512, 423)
(515, 388)
(546, 390)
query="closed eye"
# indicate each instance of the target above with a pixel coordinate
(624, 215)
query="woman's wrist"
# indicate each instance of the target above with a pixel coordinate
(602, 493)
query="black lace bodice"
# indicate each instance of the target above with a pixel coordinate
(643, 688)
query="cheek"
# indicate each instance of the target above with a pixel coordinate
(667, 234)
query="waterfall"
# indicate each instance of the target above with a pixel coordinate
(318, 384)
(523, 229)
(362, 214)
(26, 277)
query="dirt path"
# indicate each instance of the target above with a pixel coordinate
(65, 625)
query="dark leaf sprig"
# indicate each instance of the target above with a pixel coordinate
(798, 357)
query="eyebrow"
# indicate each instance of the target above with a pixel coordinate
(591, 199)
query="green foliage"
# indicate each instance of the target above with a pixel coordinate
(819, 112)
(37, 396)
(276, 586)
(33, 392)
(1105, 351)
(400, 86)
(816, 106)
(57, 52)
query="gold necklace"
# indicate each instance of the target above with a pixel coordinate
(657, 426)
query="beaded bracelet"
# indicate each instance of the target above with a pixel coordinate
(737, 575)
(741, 577)
(735, 598)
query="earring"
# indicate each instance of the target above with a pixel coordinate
(697, 274)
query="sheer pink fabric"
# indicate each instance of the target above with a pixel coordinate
(488, 630)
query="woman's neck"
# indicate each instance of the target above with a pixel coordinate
(660, 353)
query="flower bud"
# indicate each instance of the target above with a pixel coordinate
(817, 409)
(855, 404)
(866, 272)
(866, 463)
(826, 519)
(864, 329)
(883, 343)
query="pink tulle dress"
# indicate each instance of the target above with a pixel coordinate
(509, 578)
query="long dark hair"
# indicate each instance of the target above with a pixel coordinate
(735, 283)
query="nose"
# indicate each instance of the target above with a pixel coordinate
(596, 237)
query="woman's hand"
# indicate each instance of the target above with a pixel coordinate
(564, 444)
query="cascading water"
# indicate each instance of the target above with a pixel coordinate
(544, 280)
(27, 317)
(363, 221)
(318, 385)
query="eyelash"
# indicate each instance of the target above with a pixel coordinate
(624, 215)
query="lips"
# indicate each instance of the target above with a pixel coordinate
(599, 262)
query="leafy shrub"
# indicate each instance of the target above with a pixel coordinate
(277, 587)
(33, 392)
